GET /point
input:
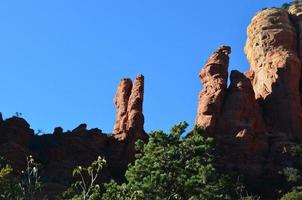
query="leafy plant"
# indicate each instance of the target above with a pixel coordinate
(285, 6)
(292, 174)
(5, 180)
(23, 188)
(85, 188)
(294, 195)
(296, 151)
(172, 167)
(30, 180)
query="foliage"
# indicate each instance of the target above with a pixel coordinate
(172, 167)
(85, 188)
(296, 151)
(242, 193)
(294, 195)
(23, 188)
(285, 6)
(292, 174)
(18, 114)
(6, 191)
(30, 180)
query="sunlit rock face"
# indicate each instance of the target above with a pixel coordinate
(214, 77)
(129, 109)
(257, 119)
(271, 49)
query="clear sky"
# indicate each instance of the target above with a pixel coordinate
(61, 60)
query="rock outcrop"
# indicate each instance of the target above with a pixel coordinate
(121, 100)
(214, 77)
(129, 109)
(271, 49)
(257, 120)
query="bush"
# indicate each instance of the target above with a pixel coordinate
(294, 195)
(24, 187)
(291, 174)
(285, 6)
(172, 167)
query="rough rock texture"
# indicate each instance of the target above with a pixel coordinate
(295, 11)
(257, 120)
(121, 102)
(129, 124)
(241, 143)
(129, 109)
(240, 116)
(271, 49)
(214, 77)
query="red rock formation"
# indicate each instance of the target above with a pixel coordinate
(214, 77)
(129, 106)
(121, 102)
(258, 119)
(58, 131)
(295, 11)
(240, 116)
(276, 70)
(240, 137)
(135, 108)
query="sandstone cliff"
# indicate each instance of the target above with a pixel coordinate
(258, 118)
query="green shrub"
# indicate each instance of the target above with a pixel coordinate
(24, 187)
(285, 6)
(172, 167)
(291, 174)
(294, 195)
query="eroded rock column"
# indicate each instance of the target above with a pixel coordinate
(129, 109)
(214, 77)
(135, 108)
(121, 100)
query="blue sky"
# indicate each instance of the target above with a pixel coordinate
(61, 60)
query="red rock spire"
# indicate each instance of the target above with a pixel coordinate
(129, 109)
(214, 77)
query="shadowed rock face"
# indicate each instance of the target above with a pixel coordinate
(271, 49)
(240, 116)
(129, 109)
(214, 77)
